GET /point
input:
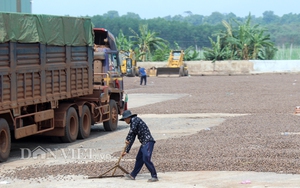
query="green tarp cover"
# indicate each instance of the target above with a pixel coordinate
(46, 29)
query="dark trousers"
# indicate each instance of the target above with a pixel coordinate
(144, 157)
(145, 80)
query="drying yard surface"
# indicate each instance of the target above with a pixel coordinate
(257, 130)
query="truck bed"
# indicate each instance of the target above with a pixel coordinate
(32, 73)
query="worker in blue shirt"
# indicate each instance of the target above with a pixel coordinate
(139, 128)
(143, 75)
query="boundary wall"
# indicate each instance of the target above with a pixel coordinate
(234, 67)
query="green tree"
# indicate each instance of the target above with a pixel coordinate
(214, 18)
(243, 42)
(260, 43)
(216, 52)
(250, 40)
(111, 14)
(147, 41)
(190, 54)
(195, 30)
(270, 17)
(132, 15)
(162, 53)
(123, 43)
(194, 19)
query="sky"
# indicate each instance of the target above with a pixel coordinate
(147, 9)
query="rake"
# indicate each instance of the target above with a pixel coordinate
(117, 165)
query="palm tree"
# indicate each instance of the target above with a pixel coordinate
(260, 42)
(241, 43)
(216, 52)
(191, 54)
(123, 43)
(246, 41)
(147, 41)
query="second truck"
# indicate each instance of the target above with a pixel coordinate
(58, 76)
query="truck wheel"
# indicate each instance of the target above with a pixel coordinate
(136, 71)
(186, 72)
(85, 123)
(5, 141)
(132, 72)
(112, 123)
(181, 71)
(71, 129)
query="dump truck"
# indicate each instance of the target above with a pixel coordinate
(129, 65)
(175, 66)
(58, 77)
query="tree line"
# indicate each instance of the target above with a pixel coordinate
(205, 32)
(194, 29)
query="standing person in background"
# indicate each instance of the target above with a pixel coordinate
(143, 75)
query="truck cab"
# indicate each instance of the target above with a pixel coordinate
(108, 78)
(107, 65)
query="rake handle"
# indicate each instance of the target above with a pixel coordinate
(118, 162)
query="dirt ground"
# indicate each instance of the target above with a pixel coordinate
(203, 124)
(265, 140)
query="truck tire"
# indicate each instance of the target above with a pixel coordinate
(132, 72)
(186, 72)
(181, 71)
(5, 140)
(85, 123)
(112, 123)
(185, 69)
(137, 71)
(72, 124)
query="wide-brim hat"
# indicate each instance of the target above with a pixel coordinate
(127, 114)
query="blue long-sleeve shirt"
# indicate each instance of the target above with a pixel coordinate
(142, 71)
(138, 128)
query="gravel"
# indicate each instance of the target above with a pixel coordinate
(265, 140)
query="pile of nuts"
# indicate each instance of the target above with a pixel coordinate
(264, 140)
